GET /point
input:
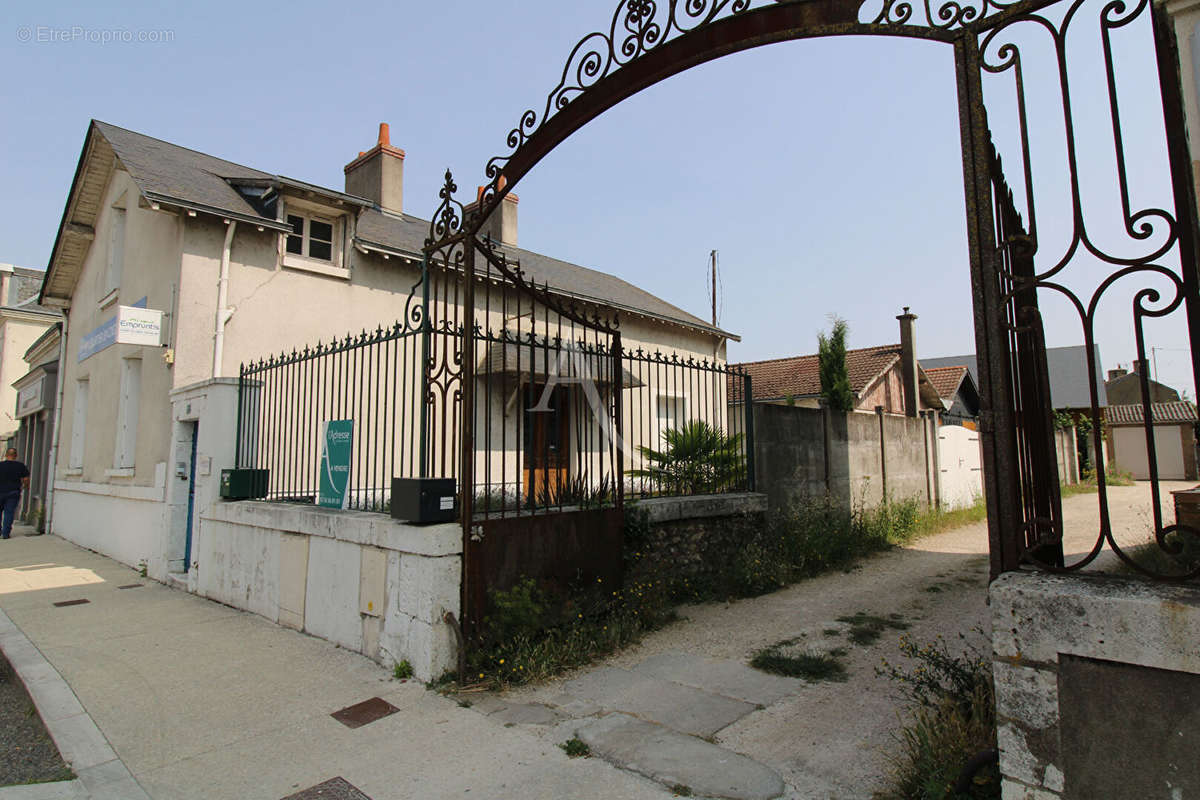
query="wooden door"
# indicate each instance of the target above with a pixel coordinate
(546, 445)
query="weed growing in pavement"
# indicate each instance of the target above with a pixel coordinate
(779, 659)
(951, 699)
(143, 568)
(681, 790)
(402, 670)
(575, 748)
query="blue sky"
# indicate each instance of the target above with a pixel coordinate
(827, 173)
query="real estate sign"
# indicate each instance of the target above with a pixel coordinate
(336, 438)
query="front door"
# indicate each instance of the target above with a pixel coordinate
(191, 498)
(545, 444)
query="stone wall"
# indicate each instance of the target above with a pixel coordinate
(1097, 687)
(364, 581)
(695, 537)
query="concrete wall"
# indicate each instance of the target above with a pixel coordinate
(18, 331)
(364, 581)
(857, 457)
(1096, 686)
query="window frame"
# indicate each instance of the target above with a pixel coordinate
(335, 265)
(125, 449)
(79, 416)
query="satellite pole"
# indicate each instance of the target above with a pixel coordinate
(713, 257)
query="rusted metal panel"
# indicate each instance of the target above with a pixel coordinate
(559, 550)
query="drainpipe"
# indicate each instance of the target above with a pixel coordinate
(52, 459)
(223, 314)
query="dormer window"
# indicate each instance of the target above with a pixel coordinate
(312, 237)
(316, 241)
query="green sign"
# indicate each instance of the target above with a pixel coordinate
(335, 463)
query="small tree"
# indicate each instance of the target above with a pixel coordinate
(831, 356)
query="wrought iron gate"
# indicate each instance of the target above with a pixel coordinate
(1022, 45)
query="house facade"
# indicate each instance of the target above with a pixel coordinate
(1125, 388)
(211, 265)
(36, 406)
(959, 394)
(22, 321)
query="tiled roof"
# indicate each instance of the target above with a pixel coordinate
(1179, 411)
(946, 380)
(799, 376)
(168, 172)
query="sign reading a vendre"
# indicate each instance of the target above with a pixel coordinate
(336, 438)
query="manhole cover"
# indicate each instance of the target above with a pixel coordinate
(336, 789)
(367, 711)
(62, 603)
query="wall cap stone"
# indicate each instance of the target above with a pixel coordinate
(358, 527)
(667, 509)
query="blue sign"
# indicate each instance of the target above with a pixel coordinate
(103, 336)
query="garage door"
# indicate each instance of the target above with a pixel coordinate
(1130, 451)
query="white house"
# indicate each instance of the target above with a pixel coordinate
(231, 264)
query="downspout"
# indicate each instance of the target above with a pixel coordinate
(223, 313)
(52, 460)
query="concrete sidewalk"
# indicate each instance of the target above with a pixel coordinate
(201, 701)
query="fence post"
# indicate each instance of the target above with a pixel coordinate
(423, 399)
(882, 456)
(748, 404)
(618, 383)
(237, 445)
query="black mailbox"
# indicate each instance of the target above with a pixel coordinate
(244, 484)
(424, 499)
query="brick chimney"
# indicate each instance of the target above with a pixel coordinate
(502, 224)
(1137, 366)
(908, 362)
(378, 174)
(1113, 374)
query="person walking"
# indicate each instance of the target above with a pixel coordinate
(14, 476)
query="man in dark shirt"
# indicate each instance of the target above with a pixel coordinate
(14, 476)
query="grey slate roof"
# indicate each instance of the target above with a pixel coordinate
(1068, 374)
(165, 171)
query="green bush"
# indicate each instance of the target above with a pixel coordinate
(953, 718)
(696, 459)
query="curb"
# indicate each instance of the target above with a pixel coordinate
(101, 774)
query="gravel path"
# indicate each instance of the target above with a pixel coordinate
(27, 753)
(833, 740)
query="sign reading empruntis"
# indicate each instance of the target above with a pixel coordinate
(336, 438)
(139, 326)
(133, 324)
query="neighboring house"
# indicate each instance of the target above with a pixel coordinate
(1174, 426)
(959, 394)
(877, 378)
(1071, 386)
(37, 400)
(22, 321)
(241, 264)
(1125, 388)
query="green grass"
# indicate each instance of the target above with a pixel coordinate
(809, 666)
(1150, 556)
(865, 629)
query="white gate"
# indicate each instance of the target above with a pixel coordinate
(960, 469)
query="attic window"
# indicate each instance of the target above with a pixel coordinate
(311, 237)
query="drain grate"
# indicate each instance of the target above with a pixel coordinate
(363, 713)
(62, 603)
(131, 586)
(336, 789)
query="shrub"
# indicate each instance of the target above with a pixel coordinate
(697, 458)
(953, 718)
(402, 670)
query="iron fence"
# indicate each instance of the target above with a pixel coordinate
(563, 416)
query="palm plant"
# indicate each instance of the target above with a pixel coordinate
(697, 458)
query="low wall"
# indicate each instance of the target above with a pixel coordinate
(364, 581)
(1097, 687)
(696, 536)
(121, 522)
